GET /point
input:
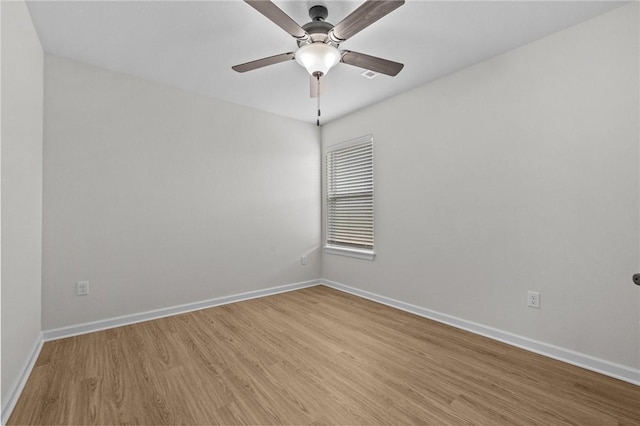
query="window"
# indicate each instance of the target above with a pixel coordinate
(350, 198)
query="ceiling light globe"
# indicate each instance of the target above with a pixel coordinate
(318, 58)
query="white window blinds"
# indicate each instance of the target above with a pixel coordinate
(350, 195)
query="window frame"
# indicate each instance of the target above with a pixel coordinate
(345, 250)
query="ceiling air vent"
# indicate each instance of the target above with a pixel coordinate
(369, 74)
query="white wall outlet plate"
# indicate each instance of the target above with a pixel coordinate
(533, 299)
(82, 288)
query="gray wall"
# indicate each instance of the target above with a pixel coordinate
(21, 192)
(161, 197)
(520, 173)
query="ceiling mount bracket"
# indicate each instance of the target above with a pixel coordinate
(318, 13)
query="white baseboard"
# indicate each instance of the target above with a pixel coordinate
(598, 365)
(90, 327)
(9, 403)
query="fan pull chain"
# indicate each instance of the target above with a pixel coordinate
(318, 97)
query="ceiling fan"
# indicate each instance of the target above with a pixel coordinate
(318, 40)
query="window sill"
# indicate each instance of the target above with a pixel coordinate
(351, 252)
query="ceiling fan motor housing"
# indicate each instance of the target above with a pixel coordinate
(318, 28)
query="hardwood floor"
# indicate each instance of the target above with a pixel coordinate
(310, 357)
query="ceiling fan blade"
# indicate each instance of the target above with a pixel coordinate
(316, 90)
(278, 17)
(368, 13)
(259, 63)
(368, 62)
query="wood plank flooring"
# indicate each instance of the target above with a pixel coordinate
(310, 357)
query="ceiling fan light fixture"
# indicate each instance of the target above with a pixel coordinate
(318, 58)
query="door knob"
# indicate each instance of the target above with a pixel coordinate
(636, 279)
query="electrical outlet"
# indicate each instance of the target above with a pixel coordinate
(533, 299)
(82, 288)
(303, 260)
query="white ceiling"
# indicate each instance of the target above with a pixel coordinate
(193, 44)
